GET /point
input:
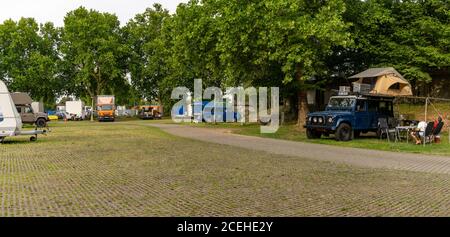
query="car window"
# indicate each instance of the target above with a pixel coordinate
(373, 106)
(105, 107)
(385, 107)
(341, 103)
(360, 105)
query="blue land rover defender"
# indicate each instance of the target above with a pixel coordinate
(349, 116)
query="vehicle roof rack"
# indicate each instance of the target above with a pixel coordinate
(359, 95)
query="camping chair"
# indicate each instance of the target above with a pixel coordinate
(392, 122)
(428, 135)
(384, 129)
(436, 131)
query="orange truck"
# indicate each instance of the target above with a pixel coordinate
(105, 108)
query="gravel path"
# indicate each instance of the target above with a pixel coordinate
(352, 156)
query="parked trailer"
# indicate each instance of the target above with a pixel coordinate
(10, 121)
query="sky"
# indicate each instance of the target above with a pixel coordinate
(55, 10)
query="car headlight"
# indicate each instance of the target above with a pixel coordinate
(320, 120)
(315, 119)
(330, 119)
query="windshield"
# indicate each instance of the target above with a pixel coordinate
(341, 103)
(105, 107)
(147, 109)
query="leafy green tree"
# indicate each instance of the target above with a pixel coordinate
(420, 37)
(147, 59)
(300, 35)
(270, 43)
(256, 42)
(29, 58)
(193, 48)
(242, 45)
(412, 36)
(94, 54)
(190, 37)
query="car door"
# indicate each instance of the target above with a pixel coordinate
(373, 112)
(385, 110)
(27, 115)
(361, 115)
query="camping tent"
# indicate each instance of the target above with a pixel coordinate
(384, 81)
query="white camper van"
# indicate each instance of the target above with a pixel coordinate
(76, 109)
(10, 121)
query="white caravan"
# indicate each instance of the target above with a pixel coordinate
(10, 121)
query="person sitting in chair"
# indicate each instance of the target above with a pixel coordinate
(419, 132)
(436, 122)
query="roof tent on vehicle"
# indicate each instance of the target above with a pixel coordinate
(21, 98)
(383, 81)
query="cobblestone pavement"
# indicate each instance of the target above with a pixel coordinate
(352, 156)
(84, 169)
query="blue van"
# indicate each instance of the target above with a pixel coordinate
(227, 114)
(232, 116)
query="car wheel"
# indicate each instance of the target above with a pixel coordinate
(344, 132)
(41, 122)
(312, 134)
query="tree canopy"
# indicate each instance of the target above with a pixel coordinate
(28, 59)
(412, 36)
(282, 43)
(147, 63)
(94, 53)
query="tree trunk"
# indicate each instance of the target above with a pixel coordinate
(92, 109)
(302, 109)
(302, 105)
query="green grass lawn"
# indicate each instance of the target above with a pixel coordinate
(368, 141)
(127, 169)
(417, 111)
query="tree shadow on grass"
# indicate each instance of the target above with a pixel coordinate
(18, 141)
